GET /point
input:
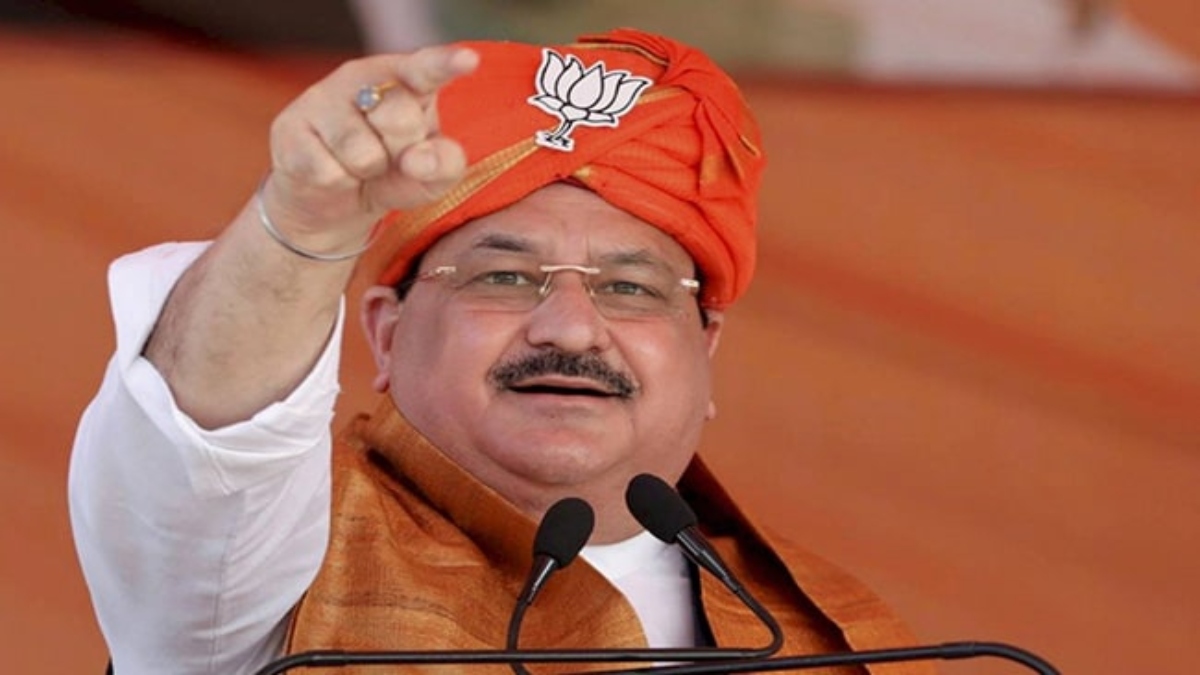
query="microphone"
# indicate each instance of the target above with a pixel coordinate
(561, 535)
(660, 509)
(665, 514)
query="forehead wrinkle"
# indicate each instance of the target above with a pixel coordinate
(498, 241)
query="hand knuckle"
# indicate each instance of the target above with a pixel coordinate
(365, 162)
(402, 121)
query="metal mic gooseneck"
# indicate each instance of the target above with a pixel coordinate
(664, 513)
(561, 535)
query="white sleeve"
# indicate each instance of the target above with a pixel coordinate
(195, 544)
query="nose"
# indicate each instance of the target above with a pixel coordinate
(551, 270)
(566, 317)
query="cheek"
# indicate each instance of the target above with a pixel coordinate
(675, 374)
(443, 354)
(670, 417)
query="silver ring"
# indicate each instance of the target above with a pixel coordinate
(370, 95)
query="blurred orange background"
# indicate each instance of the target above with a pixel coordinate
(968, 371)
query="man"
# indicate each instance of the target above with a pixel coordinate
(561, 231)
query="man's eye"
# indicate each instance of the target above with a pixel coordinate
(625, 287)
(503, 278)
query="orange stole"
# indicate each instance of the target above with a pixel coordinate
(424, 557)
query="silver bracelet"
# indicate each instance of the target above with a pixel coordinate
(303, 253)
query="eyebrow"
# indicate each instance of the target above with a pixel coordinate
(504, 242)
(640, 257)
(497, 241)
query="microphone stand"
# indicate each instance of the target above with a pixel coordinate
(730, 661)
(946, 652)
(339, 658)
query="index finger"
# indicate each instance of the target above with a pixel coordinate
(426, 70)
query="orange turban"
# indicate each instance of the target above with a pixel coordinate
(652, 126)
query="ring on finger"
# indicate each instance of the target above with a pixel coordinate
(370, 95)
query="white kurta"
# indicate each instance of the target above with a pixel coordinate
(196, 543)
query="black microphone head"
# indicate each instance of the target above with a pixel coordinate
(564, 530)
(658, 507)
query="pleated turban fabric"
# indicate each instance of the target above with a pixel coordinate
(651, 125)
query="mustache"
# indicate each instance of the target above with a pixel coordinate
(570, 364)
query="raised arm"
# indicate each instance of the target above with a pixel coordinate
(247, 321)
(201, 514)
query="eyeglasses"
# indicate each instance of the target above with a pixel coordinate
(514, 283)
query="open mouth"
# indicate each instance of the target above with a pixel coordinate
(560, 373)
(560, 390)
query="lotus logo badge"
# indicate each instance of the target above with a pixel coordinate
(576, 95)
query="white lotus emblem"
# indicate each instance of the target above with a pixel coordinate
(576, 95)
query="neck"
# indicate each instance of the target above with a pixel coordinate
(613, 520)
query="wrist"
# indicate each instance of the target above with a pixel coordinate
(308, 247)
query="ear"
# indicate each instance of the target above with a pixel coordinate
(712, 331)
(379, 313)
(712, 335)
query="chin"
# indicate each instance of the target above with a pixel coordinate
(561, 465)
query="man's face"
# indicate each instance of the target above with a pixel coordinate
(558, 399)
